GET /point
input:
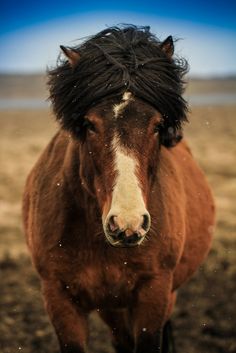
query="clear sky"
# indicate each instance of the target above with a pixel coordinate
(31, 32)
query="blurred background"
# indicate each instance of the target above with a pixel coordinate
(30, 34)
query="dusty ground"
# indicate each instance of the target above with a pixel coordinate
(204, 319)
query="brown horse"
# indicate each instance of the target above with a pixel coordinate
(117, 213)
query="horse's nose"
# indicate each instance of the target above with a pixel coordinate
(128, 233)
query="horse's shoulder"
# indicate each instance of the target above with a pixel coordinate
(52, 156)
(46, 176)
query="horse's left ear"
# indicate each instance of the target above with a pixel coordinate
(167, 46)
(72, 55)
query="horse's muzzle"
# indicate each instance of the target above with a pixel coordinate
(121, 235)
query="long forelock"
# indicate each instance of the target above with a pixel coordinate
(114, 61)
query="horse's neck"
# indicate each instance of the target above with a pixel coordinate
(81, 194)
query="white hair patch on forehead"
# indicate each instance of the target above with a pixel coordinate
(117, 108)
(127, 96)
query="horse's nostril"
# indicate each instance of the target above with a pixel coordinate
(112, 225)
(146, 222)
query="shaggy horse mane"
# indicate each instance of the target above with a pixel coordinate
(119, 59)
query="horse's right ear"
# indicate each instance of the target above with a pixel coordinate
(72, 55)
(167, 46)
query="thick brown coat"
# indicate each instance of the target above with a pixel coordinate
(81, 272)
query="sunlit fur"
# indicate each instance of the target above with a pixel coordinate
(120, 59)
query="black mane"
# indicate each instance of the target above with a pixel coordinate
(119, 59)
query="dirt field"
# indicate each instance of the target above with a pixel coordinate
(204, 320)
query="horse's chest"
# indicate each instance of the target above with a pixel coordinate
(96, 287)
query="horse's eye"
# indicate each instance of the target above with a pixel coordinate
(156, 129)
(89, 126)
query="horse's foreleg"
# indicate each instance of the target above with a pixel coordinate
(151, 312)
(118, 321)
(69, 324)
(168, 339)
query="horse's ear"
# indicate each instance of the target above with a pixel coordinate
(167, 46)
(72, 55)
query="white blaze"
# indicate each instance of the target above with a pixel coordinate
(127, 199)
(127, 97)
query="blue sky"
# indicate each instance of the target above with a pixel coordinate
(31, 32)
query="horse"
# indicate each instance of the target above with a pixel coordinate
(117, 213)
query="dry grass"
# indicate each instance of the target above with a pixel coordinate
(23, 134)
(212, 136)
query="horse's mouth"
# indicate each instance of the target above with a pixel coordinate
(124, 243)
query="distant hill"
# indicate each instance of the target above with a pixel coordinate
(34, 86)
(211, 85)
(23, 86)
